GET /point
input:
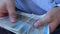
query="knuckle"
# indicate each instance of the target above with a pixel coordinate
(13, 15)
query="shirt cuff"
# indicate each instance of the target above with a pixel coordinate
(58, 5)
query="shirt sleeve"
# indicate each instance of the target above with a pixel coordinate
(57, 2)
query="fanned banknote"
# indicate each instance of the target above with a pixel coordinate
(24, 24)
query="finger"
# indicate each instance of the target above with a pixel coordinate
(11, 10)
(3, 11)
(53, 25)
(46, 19)
(1, 15)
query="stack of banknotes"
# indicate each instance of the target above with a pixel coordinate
(24, 24)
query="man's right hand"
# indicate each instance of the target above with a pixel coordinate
(7, 7)
(52, 17)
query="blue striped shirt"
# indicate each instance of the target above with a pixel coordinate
(36, 6)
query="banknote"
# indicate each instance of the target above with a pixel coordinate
(24, 24)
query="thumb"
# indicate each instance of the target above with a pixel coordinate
(45, 19)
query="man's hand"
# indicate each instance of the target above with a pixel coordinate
(52, 17)
(8, 7)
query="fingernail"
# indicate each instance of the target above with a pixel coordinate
(36, 25)
(13, 20)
